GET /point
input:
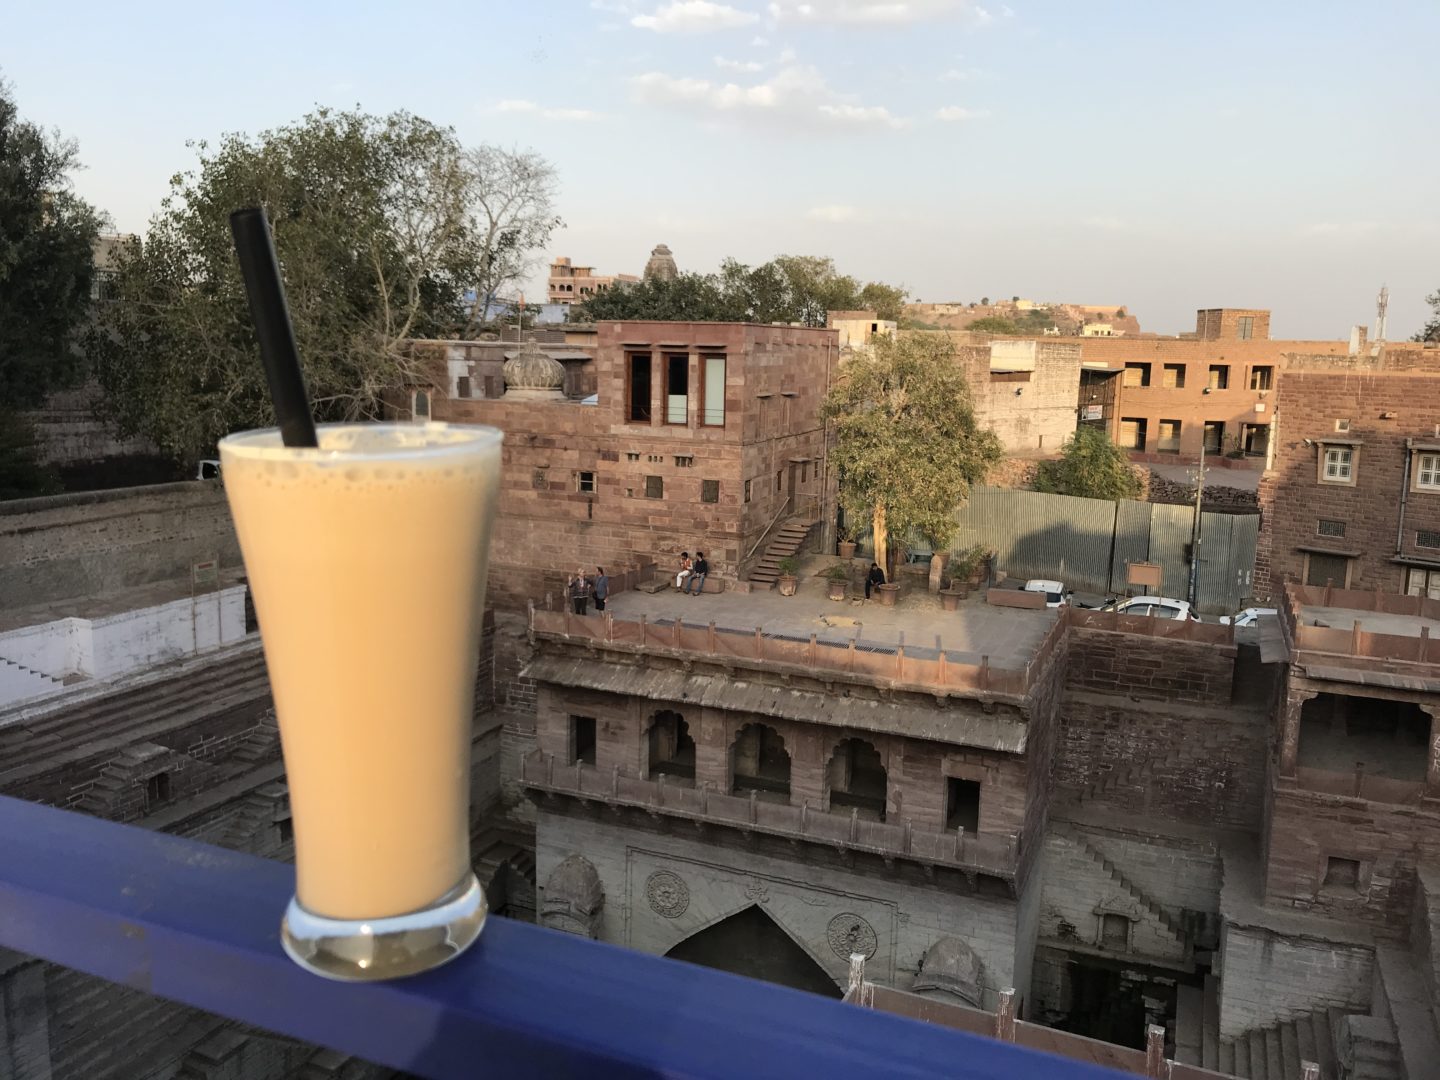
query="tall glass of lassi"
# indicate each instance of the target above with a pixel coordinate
(366, 558)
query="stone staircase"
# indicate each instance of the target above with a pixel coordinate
(98, 720)
(786, 541)
(1278, 1051)
(1197, 1024)
(1141, 897)
(19, 683)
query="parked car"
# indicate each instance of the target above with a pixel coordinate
(1055, 594)
(1162, 607)
(1249, 616)
(208, 469)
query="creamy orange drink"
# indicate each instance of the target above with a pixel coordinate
(366, 558)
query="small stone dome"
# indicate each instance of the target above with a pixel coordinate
(661, 266)
(575, 880)
(533, 372)
(951, 965)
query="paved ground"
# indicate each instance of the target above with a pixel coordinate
(1008, 636)
(1374, 622)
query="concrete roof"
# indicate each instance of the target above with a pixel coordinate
(961, 726)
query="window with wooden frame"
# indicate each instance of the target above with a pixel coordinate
(712, 391)
(677, 388)
(637, 388)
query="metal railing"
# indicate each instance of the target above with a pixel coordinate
(199, 925)
(997, 856)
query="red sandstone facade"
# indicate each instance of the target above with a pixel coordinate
(664, 460)
(1353, 497)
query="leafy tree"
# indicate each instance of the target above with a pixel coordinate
(994, 324)
(511, 196)
(908, 447)
(790, 288)
(887, 301)
(1090, 466)
(984, 301)
(1431, 330)
(379, 228)
(47, 237)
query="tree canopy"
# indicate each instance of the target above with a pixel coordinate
(1431, 330)
(994, 324)
(1090, 466)
(47, 237)
(908, 447)
(789, 288)
(380, 224)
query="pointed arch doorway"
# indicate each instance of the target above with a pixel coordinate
(751, 943)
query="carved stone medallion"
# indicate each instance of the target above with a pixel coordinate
(667, 894)
(849, 933)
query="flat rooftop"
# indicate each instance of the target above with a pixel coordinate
(1372, 622)
(1009, 636)
(116, 602)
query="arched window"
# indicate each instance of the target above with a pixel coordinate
(759, 762)
(420, 405)
(672, 750)
(857, 779)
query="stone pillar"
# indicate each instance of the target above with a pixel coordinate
(1432, 765)
(807, 768)
(1290, 729)
(712, 751)
(24, 1020)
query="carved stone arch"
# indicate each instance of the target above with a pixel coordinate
(760, 762)
(751, 942)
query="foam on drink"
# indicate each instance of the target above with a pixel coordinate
(367, 558)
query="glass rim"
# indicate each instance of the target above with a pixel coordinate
(265, 443)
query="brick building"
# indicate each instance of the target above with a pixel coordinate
(1353, 494)
(695, 435)
(570, 284)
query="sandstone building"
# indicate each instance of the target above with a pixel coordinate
(570, 284)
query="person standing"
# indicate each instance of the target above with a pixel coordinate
(874, 578)
(600, 588)
(698, 573)
(580, 593)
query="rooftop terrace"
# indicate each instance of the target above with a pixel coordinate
(1372, 637)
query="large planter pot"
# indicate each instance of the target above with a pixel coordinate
(787, 584)
(847, 549)
(950, 598)
(837, 589)
(887, 594)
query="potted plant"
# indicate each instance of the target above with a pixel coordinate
(839, 577)
(787, 582)
(847, 543)
(957, 588)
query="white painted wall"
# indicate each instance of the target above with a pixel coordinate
(116, 644)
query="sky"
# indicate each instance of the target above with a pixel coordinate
(1157, 155)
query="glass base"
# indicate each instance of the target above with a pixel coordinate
(367, 950)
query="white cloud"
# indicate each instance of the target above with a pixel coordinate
(795, 96)
(520, 105)
(694, 17)
(959, 75)
(742, 66)
(759, 42)
(876, 12)
(833, 214)
(954, 113)
(787, 56)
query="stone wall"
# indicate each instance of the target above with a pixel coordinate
(67, 546)
(68, 431)
(1307, 829)
(1165, 669)
(706, 881)
(1025, 391)
(1270, 977)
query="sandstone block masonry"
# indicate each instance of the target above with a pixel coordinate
(91, 544)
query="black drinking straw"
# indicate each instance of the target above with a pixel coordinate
(261, 271)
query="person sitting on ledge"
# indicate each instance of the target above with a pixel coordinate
(697, 574)
(684, 571)
(875, 578)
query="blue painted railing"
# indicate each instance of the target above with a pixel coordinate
(198, 925)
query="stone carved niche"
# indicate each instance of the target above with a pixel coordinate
(574, 898)
(951, 966)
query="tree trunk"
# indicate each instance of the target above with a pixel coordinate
(882, 540)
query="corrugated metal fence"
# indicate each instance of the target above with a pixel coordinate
(1087, 543)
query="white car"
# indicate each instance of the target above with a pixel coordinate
(1054, 591)
(1249, 617)
(1162, 607)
